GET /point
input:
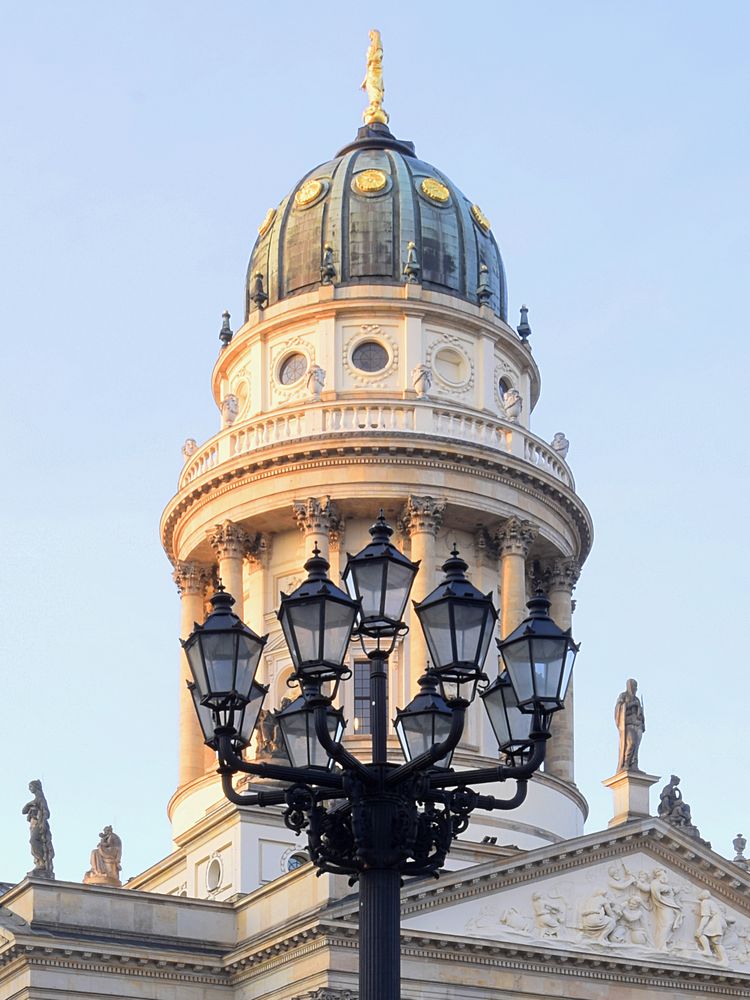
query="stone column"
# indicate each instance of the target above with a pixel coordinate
(191, 579)
(485, 575)
(513, 541)
(316, 518)
(560, 577)
(420, 520)
(229, 541)
(257, 558)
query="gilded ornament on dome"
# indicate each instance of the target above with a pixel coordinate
(480, 218)
(434, 190)
(309, 192)
(369, 181)
(267, 222)
(374, 113)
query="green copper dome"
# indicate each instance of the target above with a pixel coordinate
(352, 221)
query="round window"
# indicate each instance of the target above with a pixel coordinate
(451, 366)
(296, 861)
(213, 874)
(370, 356)
(293, 368)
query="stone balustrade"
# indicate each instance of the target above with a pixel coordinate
(343, 418)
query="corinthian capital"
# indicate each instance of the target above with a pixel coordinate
(191, 578)
(421, 514)
(228, 540)
(316, 515)
(560, 574)
(515, 537)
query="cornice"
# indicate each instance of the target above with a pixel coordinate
(412, 450)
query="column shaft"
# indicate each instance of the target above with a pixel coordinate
(561, 577)
(421, 520)
(191, 582)
(514, 541)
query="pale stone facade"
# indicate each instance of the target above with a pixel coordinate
(335, 400)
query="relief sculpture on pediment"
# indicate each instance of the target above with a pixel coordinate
(620, 907)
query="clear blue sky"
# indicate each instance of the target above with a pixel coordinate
(142, 144)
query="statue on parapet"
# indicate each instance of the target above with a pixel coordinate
(674, 810)
(105, 860)
(40, 836)
(269, 739)
(631, 724)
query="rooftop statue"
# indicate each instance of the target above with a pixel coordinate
(373, 82)
(40, 835)
(105, 860)
(674, 810)
(631, 724)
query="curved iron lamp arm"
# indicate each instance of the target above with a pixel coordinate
(336, 751)
(298, 775)
(482, 776)
(429, 757)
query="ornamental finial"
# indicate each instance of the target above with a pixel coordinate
(373, 82)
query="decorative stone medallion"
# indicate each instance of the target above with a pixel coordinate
(370, 182)
(434, 190)
(267, 222)
(309, 193)
(480, 218)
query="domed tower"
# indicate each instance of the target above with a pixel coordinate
(375, 368)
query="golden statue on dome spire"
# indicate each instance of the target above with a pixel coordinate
(373, 82)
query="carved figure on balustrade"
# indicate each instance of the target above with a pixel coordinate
(560, 444)
(549, 915)
(631, 724)
(712, 925)
(105, 860)
(512, 405)
(189, 448)
(270, 740)
(316, 380)
(40, 836)
(421, 379)
(674, 810)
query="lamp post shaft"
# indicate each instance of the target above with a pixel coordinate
(379, 934)
(379, 706)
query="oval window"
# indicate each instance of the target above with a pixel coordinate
(213, 874)
(292, 369)
(296, 861)
(370, 356)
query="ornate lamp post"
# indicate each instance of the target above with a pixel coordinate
(377, 820)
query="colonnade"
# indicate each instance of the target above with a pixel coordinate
(500, 566)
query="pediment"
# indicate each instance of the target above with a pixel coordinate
(642, 894)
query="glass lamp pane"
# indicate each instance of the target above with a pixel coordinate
(304, 619)
(204, 713)
(516, 656)
(338, 628)
(548, 656)
(197, 667)
(398, 585)
(248, 720)
(248, 654)
(436, 625)
(219, 650)
(369, 584)
(470, 622)
(295, 730)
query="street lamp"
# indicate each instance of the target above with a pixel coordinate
(379, 820)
